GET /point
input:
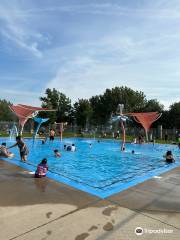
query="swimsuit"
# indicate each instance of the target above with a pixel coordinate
(41, 170)
(23, 149)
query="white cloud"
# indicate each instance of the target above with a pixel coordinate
(21, 97)
(152, 9)
(135, 45)
(114, 61)
(16, 28)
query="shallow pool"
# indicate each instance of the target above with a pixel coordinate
(102, 169)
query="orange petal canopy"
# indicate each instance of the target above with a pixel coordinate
(145, 119)
(24, 112)
(33, 108)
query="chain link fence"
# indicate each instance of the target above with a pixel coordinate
(103, 131)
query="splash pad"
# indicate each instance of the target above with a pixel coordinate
(145, 119)
(25, 112)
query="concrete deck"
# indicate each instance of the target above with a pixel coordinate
(41, 209)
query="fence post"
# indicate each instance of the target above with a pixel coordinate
(174, 134)
(160, 131)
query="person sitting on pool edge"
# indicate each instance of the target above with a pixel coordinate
(57, 153)
(42, 169)
(169, 157)
(4, 152)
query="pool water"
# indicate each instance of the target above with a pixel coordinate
(103, 168)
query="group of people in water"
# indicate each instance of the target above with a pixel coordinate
(23, 149)
(42, 167)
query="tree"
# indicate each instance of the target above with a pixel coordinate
(5, 112)
(98, 113)
(153, 106)
(83, 112)
(174, 115)
(60, 103)
(107, 103)
(98, 109)
(165, 120)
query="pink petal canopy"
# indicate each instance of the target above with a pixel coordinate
(24, 112)
(145, 119)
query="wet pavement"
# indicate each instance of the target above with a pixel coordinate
(42, 209)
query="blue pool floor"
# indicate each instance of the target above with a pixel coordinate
(96, 192)
(112, 186)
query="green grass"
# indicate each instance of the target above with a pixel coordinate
(7, 135)
(163, 141)
(86, 135)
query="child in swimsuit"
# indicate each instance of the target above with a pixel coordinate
(169, 157)
(23, 149)
(4, 152)
(57, 153)
(42, 169)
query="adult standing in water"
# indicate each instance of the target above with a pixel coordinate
(51, 135)
(23, 149)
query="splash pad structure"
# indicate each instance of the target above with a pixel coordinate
(145, 119)
(13, 132)
(121, 118)
(25, 112)
(39, 121)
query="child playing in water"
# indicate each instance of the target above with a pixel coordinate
(23, 149)
(4, 152)
(169, 157)
(73, 148)
(42, 169)
(57, 153)
(52, 135)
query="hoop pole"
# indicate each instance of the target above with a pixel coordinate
(146, 132)
(123, 136)
(61, 131)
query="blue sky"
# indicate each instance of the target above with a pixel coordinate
(82, 47)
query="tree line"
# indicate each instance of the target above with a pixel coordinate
(98, 109)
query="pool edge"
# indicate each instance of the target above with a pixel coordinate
(90, 190)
